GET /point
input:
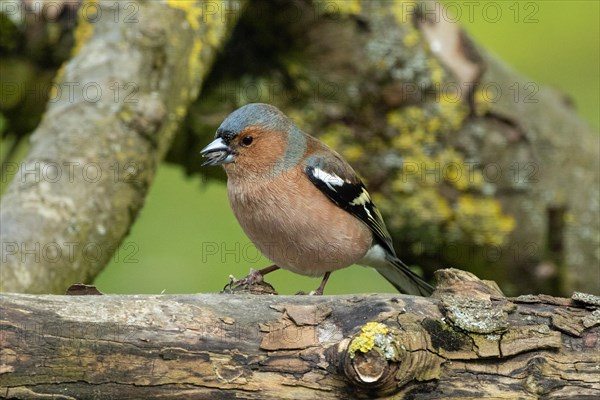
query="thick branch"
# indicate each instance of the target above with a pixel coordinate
(466, 343)
(110, 121)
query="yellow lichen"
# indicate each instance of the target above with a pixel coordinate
(194, 15)
(353, 153)
(209, 30)
(482, 220)
(366, 340)
(457, 172)
(436, 194)
(343, 7)
(194, 63)
(411, 38)
(433, 124)
(427, 166)
(331, 138)
(362, 343)
(481, 100)
(404, 142)
(304, 117)
(85, 27)
(436, 71)
(192, 10)
(452, 110)
(428, 206)
(180, 111)
(340, 137)
(569, 218)
(53, 93)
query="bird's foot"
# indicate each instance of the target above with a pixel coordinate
(315, 292)
(252, 283)
(253, 278)
(318, 291)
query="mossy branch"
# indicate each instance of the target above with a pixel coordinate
(113, 114)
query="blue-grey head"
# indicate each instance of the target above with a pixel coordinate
(255, 132)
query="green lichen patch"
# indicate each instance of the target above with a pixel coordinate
(586, 298)
(475, 315)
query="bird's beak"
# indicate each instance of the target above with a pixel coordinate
(217, 153)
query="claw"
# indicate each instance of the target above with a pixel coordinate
(315, 292)
(253, 282)
(318, 291)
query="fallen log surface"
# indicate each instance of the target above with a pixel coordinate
(467, 341)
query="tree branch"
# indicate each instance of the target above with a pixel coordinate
(112, 117)
(466, 342)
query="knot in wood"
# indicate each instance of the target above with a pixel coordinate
(370, 369)
(371, 358)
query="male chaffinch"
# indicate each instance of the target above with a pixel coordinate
(300, 202)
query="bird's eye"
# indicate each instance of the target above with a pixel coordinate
(247, 141)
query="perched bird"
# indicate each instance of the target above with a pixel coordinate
(300, 202)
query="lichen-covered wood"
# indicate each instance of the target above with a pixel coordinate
(301, 347)
(112, 115)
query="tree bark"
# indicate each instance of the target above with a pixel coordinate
(113, 114)
(468, 341)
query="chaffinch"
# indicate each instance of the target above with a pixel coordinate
(300, 202)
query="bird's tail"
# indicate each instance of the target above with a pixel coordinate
(403, 279)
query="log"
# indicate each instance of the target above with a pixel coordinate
(467, 341)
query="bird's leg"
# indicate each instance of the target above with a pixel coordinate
(321, 287)
(319, 290)
(253, 278)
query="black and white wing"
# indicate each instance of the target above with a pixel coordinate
(345, 189)
(340, 184)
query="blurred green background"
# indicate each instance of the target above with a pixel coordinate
(187, 240)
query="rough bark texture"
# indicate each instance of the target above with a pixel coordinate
(115, 108)
(466, 342)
